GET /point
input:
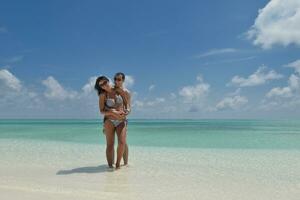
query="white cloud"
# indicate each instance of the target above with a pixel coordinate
(129, 81)
(199, 78)
(236, 92)
(282, 102)
(288, 91)
(9, 80)
(148, 103)
(259, 77)
(294, 82)
(55, 91)
(277, 24)
(281, 92)
(155, 102)
(138, 104)
(151, 87)
(213, 52)
(295, 65)
(234, 102)
(15, 98)
(287, 97)
(195, 92)
(88, 88)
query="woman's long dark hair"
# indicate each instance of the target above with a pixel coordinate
(97, 86)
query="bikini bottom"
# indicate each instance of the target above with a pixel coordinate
(115, 122)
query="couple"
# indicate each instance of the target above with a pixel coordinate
(114, 104)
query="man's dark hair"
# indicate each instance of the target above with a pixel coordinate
(120, 74)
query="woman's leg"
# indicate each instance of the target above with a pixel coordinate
(121, 133)
(110, 141)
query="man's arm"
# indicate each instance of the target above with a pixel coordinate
(128, 98)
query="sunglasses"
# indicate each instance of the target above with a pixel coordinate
(104, 83)
(118, 79)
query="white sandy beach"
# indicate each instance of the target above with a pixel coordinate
(36, 169)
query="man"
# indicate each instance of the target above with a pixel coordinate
(119, 79)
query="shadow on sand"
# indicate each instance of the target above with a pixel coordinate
(90, 169)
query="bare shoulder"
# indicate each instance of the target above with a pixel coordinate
(126, 91)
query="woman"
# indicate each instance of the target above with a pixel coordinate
(111, 105)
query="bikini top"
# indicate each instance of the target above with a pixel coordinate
(114, 102)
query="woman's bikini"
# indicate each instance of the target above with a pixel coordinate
(114, 103)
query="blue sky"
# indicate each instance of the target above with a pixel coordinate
(184, 59)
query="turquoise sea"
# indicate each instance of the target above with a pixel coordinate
(229, 134)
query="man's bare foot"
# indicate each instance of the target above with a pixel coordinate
(118, 166)
(110, 166)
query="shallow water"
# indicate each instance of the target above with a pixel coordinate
(39, 169)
